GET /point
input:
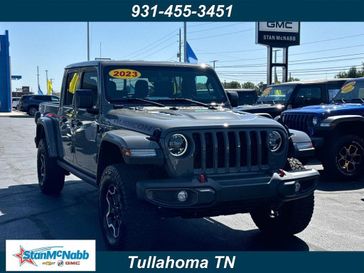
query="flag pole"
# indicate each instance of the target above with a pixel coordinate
(46, 71)
(88, 40)
(185, 41)
(38, 76)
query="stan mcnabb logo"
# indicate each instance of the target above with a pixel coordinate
(56, 255)
(49, 253)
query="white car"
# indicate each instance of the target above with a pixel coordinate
(15, 102)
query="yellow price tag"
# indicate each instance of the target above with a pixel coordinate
(124, 74)
(348, 87)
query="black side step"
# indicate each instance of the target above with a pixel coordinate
(80, 174)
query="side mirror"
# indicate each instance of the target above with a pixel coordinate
(83, 98)
(233, 98)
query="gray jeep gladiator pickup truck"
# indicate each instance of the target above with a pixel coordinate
(161, 139)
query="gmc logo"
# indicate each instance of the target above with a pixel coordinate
(284, 25)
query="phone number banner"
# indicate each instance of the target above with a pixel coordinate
(181, 10)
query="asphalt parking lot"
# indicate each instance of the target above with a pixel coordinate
(25, 213)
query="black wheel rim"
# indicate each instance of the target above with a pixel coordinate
(42, 168)
(113, 211)
(349, 158)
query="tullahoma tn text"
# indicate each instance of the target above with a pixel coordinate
(168, 262)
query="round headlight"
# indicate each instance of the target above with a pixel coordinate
(314, 121)
(274, 141)
(177, 145)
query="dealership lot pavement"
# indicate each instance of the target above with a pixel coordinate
(25, 213)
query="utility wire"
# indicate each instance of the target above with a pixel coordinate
(155, 43)
(219, 35)
(213, 28)
(302, 44)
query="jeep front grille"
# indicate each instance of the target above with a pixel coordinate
(301, 122)
(230, 151)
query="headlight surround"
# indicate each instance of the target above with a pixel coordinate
(315, 121)
(177, 145)
(275, 141)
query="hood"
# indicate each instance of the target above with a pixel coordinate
(146, 120)
(261, 108)
(331, 109)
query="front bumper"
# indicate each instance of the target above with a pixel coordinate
(233, 189)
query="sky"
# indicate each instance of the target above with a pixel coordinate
(326, 47)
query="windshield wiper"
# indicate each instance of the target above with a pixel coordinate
(357, 99)
(194, 102)
(151, 102)
(339, 100)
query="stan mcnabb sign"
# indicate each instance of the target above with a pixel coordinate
(278, 34)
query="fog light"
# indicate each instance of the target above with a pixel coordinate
(297, 187)
(182, 196)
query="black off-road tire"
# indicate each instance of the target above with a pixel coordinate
(294, 165)
(331, 157)
(134, 219)
(292, 218)
(32, 110)
(50, 175)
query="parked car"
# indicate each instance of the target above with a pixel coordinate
(15, 102)
(336, 130)
(170, 146)
(246, 96)
(279, 97)
(30, 103)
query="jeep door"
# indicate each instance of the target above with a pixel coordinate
(86, 126)
(66, 114)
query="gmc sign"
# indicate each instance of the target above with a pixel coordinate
(278, 34)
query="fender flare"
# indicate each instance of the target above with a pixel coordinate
(126, 139)
(49, 127)
(333, 121)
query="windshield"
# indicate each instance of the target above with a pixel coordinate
(276, 94)
(351, 91)
(165, 85)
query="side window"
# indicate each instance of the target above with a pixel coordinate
(204, 89)
(309, 95)
(89, 81)
(72, 83)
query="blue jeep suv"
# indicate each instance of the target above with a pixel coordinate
(336, 130)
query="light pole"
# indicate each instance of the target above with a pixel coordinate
(214, 63)
(88, 41)
(46, 71)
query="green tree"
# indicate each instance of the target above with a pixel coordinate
(248, 85)
(293, 79)
(232, 85)
(353, 72)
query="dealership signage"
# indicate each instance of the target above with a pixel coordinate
(278, 34)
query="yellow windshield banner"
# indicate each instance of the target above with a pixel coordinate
(73, 83)
(348, 87)
(124, 73)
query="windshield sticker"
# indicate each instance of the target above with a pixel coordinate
(266, 91)
(348, 87)
(124, 74)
